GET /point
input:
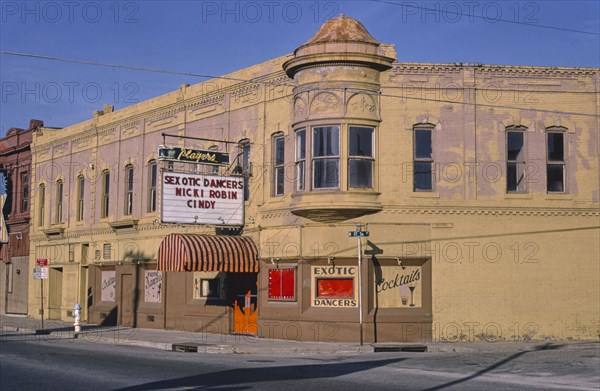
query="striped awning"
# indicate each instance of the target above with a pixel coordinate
(207, 253)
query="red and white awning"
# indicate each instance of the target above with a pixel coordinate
(211, 253)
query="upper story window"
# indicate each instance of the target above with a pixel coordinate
(152, 180)
(41, 202)
(555, 161)
(278, 165)
(322, 163)
(59, 201)
(24, 192)
(300, 159)
(246, 166)
(515, 160)
(360, 157)
(326, 157)
(423, 159)
(105, 193)
(80, 197)
(129, 172)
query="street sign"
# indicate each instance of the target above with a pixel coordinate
(41, 262)
(37, 273)
(354, 234)
(44, 273)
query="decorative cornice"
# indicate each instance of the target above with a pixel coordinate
(482, 211)
(408, 68)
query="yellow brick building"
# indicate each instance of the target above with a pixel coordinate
(478, 186)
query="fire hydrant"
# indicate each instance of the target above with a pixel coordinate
(77, 316)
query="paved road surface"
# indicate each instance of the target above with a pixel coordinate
(81, 365)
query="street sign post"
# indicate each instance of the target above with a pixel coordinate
(41, 265)
(358, 234)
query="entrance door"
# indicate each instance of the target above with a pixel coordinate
(17, 285)
(126, 300)
(55, 285)
(241, 290)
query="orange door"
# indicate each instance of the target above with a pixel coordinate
(245, 316)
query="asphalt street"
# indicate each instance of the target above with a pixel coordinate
(72, 364)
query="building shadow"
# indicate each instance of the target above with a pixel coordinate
(537, 348)
(234, 379)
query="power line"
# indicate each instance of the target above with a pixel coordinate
(206, 76)
(446, 11)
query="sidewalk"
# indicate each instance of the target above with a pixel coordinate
(27, 329)
(21, 328)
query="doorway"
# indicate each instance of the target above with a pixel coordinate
(126, 300)
(55, 287)
(242, 293)
(17, 285)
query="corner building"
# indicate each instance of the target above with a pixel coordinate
(476, 184)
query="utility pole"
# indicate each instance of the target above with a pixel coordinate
(359, 233)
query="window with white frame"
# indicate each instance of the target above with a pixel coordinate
(555, 161)
(300, 159)
(105, 193)
(152, 180)
(129, 172)
(278, 165)
(515, 160)
(59, 201)
(80, 197)
(360, 157)
(423, 158)
(24, 192)
(42, 202)
(326, 157)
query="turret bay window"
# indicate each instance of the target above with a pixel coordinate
(129, 189)
(555, 161)
(300, 159)
(278, 165)
(515, 160)
(360, 157)
(326, 157)
(423, 159)
(322, 163)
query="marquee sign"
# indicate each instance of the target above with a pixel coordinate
(202, 199)
(193, 156)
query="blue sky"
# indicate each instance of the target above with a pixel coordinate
(218, 37)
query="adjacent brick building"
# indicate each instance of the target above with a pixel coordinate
(15, 164)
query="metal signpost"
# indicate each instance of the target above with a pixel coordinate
(40, 272)
(359, 233)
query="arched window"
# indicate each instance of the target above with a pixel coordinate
(278, 160)
(41, 204)
(105, 192)
(59, 201)
(152, 181)
(129, 189)
(80, 197)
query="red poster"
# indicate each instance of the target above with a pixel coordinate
(282, 283)
(335, 287)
